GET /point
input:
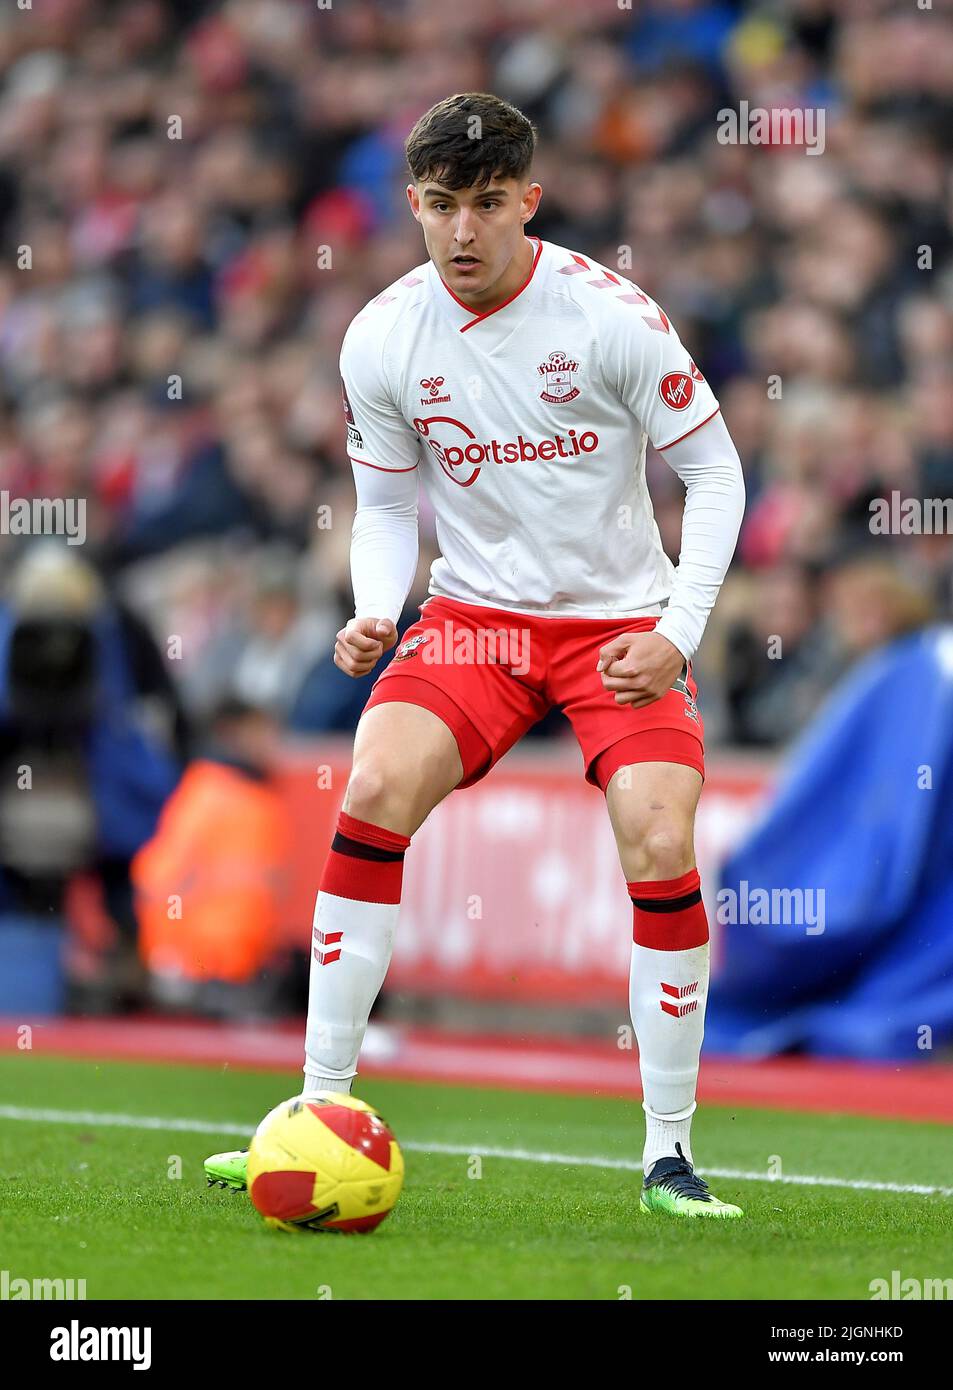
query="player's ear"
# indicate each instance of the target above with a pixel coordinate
(530, 201)
(413, 199)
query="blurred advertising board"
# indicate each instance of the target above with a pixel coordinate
(512, 888)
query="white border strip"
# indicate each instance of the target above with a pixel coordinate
(226, 1127)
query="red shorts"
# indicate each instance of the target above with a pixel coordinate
(491, 674)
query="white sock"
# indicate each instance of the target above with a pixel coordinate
(351, 948)
(314, 1084)
(662, 1133)
(668, 991)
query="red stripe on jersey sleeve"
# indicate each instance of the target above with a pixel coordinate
(660, 447)
(380, 468)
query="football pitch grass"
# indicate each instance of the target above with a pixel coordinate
(508, 1195)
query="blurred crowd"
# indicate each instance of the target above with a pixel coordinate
(196, 196)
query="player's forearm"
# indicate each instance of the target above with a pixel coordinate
(384, 549)
(384, 541)
(708, 464)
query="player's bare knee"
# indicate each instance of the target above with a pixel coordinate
(370, 791)
(663, 852)
(394, 795)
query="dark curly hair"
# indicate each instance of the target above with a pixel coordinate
(468, 139)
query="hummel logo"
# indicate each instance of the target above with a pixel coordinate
(326, 939)
(433, 385)
(679, 992)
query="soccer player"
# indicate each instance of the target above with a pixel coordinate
(522, 380)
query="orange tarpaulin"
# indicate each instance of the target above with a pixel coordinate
(209, 885)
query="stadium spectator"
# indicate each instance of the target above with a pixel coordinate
(91, 736)
(209, 884)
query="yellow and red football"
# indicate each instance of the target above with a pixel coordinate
(324, 1162)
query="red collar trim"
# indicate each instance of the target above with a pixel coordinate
(497, 307)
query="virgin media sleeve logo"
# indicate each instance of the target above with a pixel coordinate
(677, 390)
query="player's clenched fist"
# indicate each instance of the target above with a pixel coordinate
(639, 667)
(362, 643)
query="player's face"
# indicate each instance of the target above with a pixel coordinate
(473, 234)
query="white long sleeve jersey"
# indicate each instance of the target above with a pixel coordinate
(529, 423)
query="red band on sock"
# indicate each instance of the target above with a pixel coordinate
(348, 874)
(370, 834)
(667, 888)
(669, 929)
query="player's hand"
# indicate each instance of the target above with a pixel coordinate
(362, 642)
(639, 666)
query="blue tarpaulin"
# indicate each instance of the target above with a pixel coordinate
(863, 816)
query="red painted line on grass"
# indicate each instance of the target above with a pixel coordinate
(908, 1091)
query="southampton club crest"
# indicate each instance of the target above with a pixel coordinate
(558, 370)
(407, 649)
